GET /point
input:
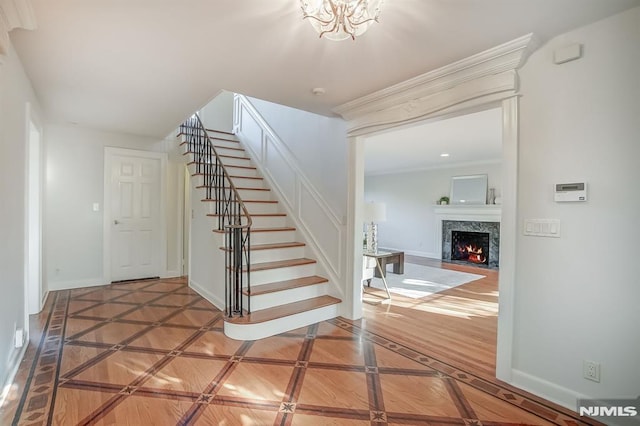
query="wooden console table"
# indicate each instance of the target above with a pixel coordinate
(395, 258)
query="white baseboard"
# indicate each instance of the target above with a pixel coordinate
(172, 274)
(207, 294)
(547, 390)
(70, 285)
(14, 363)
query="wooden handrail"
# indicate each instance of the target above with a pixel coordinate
(230, 209)
(226, 175)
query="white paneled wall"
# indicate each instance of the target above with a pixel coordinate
(305, 204)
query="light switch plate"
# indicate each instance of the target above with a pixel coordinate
(542, 227)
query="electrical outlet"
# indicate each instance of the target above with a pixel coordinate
(19, 338)
(591, 370)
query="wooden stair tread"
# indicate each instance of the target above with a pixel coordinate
(233, 166)
(277, 264)
(244, 188)
(234, 156)
(284, 310)
(255, 214)
(246, 177)
(221, 131)
(272, 246)
(224, 139)
(282, 229)
(253, 230)
(226, 147)
(209, 200)
(237, 187)
(276, 229)
(286, 285)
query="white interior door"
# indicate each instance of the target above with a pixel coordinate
(135, 217)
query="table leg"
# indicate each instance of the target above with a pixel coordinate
(398, 266)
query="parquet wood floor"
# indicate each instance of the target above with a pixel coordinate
(153, 353)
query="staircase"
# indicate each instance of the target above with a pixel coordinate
(285, 290)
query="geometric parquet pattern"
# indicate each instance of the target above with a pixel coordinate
(153, 353)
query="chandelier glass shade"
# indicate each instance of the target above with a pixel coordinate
(341, 19)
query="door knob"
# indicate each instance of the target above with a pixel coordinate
(115, 222)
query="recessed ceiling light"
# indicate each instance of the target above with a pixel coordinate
(444, 154)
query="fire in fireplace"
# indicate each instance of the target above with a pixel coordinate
(472, 247)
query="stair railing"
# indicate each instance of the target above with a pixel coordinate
(230, 211)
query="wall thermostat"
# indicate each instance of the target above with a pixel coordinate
(567, 192)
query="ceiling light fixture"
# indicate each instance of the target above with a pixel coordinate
(444, 154)
(341, 19)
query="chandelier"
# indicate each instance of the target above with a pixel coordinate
(341, 19)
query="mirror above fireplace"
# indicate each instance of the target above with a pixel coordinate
(469, 190)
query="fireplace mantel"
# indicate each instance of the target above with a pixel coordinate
(474, 213)
(478, 213)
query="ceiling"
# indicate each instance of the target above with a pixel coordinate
(142, 66)
(470, 139)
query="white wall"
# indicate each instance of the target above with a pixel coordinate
(218, 113)
(576, 297)
(319, 145)
(410, 199)
(75, 180)
(304, 195)
(206, 260)
(15, 92)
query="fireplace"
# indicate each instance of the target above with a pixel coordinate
(471, 242)
(471, 247)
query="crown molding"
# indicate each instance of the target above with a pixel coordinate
(498, 60)
(14, 14)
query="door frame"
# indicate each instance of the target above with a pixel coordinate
(109, 154)
(35, 292)
(486, 79)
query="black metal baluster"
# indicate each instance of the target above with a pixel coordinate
(230, 211)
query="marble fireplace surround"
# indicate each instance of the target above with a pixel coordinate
(480, 218)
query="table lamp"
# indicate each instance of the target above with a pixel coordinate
(374, 212)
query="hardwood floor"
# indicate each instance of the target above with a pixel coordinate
(153, 353)
(458, 324)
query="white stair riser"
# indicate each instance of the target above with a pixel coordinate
(238, 182)
(235, 161)
(260, 221)
(280, 274)
(220, 142)
(254, 194)
(272, 237)
(273, 255)
(239, 171)
(252, 208)
(228, 150)
(280, 325)
(262, 208)
(248, 183)
(269, 221)
(245, 194)
(269, 300)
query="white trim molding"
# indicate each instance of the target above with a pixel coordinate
(477, 80)
(486, 80)
(14, 14)
(316, 221)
